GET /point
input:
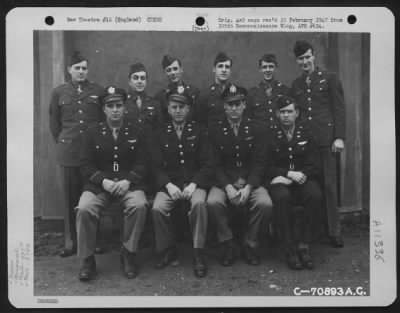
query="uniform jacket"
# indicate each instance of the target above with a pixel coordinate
(162, 97)
(104, 157)
(71, 113)
(183, 161)
(299, 154)
(321, 105)
(241, 156)
(148, 117)
(209, 108)
(262, 107)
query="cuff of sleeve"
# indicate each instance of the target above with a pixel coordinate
(133, 177)
(97, 177)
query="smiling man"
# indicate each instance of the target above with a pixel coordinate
(141, 108)
(173, 70)
(73, 107)
(291, 177)
(183, 169)
(240, 162)
(261, 100)
(320, 97)
(113, 165)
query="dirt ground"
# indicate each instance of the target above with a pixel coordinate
(347, 267)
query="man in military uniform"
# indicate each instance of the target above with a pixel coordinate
(209, 108)
(183, 167)
(140, 108)
(261, 100)
(240, 154)
(73, 107)
(113, 159)
(291, 177)
(173, 69)
(320, 96)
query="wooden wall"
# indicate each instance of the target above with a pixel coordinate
(110, 54)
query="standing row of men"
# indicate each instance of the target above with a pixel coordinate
(241, 150)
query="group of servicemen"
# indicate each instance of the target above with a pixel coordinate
(222, 152)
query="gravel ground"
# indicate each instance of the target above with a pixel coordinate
(345, 267)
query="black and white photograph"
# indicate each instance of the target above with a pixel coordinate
(230, 157)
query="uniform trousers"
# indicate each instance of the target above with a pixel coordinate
(284, 197)
(198, 219)
(72, 189)
(330, 192)
(88, 213)
(259, 209)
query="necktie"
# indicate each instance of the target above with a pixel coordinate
(79, 89)
(139, 102)
(268, 91)
(289, 135)
(115, 133)
(308, 81)
(179, 131)
(236, 129)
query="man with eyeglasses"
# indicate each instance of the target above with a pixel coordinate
(74, 106)
(261, 100)
(141, 108)
(183, 167)
(113, 165)
(240, 157)
(173, 70)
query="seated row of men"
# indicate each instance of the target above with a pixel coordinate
(233, 166)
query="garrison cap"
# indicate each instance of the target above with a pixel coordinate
(179, 94)
(137, 67)
(301, 47)
(269, 57)
(233, 93)
(284, 101)
(168, 60)
(112, 93)
(76, 57)
(222, 57)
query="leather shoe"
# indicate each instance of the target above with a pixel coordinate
(99, 250)
(337, 242)
(250, 255)
(305, 258)
(67, 252)
(88, 269)
(128, 263)
(228, 254)
(293, 260)
(199, 266)
(166, 257)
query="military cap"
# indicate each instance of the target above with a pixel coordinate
(269, 57)
(301, 47)
(168, 60)
(137, 67)
(76, 57)
(222, 57)
(233, 93)
(284, 101)
(179, 94)
(112, 93)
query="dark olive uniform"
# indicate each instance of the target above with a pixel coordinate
(261, 102)
(181, 161)
(240, 160)
(322, 108)
(298, 154)
(103, 157)
(73, 108)
(162, 97)
(143, 110)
